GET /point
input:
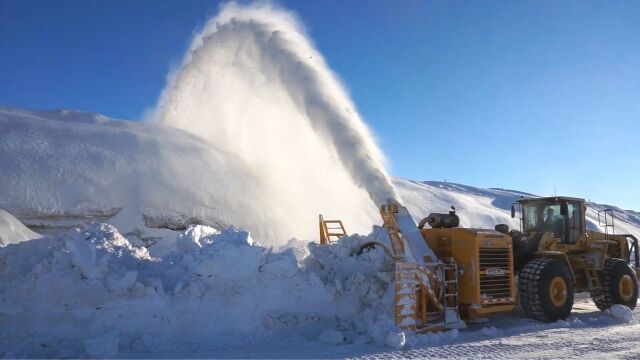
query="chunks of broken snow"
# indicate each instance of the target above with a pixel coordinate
(106, 296)
(621, 313)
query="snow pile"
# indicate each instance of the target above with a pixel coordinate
(13, 231)
(93, 293)
(621, 313)
(360, 280)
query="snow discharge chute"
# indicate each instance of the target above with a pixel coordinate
(253, 84)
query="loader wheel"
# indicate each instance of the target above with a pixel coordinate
(546, 289)
(619, 285)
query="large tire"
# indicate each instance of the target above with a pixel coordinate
(619, 285)
(546, 289)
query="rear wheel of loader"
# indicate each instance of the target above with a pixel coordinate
(619, 285)
(546, 289)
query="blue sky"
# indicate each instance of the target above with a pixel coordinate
(530, 95)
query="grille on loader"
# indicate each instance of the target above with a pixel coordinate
(495, 275)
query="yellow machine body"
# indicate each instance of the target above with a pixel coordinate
(485, 267)
(474, 271)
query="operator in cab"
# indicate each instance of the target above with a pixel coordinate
(552, 223)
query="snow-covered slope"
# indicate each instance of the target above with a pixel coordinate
(484, 208)
(62, 169)
(12, 231)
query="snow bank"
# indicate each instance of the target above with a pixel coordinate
(13, 231)
(93, 293)
(77, 167)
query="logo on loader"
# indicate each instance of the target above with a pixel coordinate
(495, 271)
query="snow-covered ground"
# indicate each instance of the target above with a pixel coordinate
(91, 293)
(124, 272)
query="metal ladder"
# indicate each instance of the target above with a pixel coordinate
(608, 215)
(331, 229)
(591, 274)
(592, 277)
(388, 212)
(451, 316)
(442, 310)
(406, 296)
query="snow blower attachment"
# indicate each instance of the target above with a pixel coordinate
(446, 274)
(426, 288)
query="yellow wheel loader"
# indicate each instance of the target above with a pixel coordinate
(446, 274)
(556, 257)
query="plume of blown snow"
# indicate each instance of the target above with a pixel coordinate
(253, 84)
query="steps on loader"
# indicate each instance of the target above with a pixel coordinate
(419, 307)
(406, 296)
(451, 314)
(591, 275)
(397, 245)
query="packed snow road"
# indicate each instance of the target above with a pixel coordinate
(588, 333)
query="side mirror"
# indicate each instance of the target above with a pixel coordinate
(564, 209)
(513, 211)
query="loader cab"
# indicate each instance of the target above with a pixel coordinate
(562, 217)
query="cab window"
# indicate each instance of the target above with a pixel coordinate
(574, 219)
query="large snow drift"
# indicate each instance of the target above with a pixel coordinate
(77, 167)
(65, 166)
(105, 296)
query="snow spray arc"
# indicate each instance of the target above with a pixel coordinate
(253, 84)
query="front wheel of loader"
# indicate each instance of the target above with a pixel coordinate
(546, 289)
(619, 285)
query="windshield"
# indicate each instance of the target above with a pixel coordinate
(541, 216)
(547, 216)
